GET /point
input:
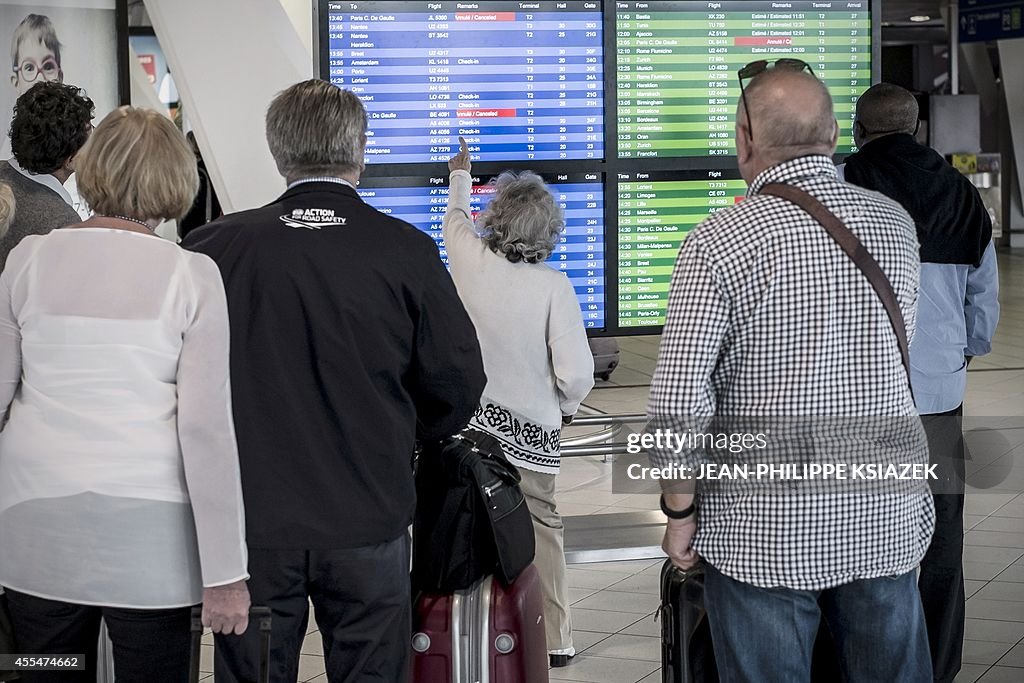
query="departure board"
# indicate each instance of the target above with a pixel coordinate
(626, 108)
(580, 254)
(656, 211)
(678, 62)
(521, 81)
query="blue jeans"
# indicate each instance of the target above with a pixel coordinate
(766, 635)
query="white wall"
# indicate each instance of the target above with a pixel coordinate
(1012, 52)
(229, 58)
(144, 95)
(301, 14)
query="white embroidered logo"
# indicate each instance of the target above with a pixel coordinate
(313, 219)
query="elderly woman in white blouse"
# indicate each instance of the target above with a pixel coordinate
(119, 482)
(538, 363)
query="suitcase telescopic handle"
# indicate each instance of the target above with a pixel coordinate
(263, 618)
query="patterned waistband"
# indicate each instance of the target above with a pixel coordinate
(526, 444)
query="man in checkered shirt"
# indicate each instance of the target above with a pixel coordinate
(772, 328)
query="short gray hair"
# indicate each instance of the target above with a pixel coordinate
(315, 128)
(887, 108)
(792, 114)
(522, 222)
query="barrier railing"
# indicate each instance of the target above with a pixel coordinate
(606, 537)
(599, 442)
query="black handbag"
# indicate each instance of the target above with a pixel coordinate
(471, 516)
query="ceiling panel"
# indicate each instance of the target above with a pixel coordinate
(900, 11)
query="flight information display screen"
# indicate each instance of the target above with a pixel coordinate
(678, 61)
(627, 109)
(580, 254)
(521, 81)
(656, 211)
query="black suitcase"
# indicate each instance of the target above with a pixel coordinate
(260, 615)
(606, 356)
(686, 652)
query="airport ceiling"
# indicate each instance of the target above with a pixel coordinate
(895, 17)
(893, 11)
(898, 12)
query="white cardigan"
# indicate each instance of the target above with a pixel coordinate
(534, 344)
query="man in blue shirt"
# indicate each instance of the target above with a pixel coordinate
(957, 313)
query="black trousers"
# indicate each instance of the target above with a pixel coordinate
(7, 645)
(361, 597)
(150, 646)
(941, 582)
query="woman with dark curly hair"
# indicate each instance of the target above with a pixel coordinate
(52, 122)
(534, 345)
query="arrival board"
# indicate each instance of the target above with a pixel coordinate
(678, 62)
(521, 81)
(580, 254)
(656, 211)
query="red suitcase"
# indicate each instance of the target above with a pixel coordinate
(489, 633)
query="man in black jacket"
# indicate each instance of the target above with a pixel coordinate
(348, 341)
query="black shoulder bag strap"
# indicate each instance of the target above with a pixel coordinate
(860, 256)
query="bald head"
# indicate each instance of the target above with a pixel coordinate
(791, 116)
(885, 109)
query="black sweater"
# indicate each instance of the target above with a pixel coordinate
(348, 340)
(953, 225)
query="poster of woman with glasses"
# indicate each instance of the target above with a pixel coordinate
(67, 41)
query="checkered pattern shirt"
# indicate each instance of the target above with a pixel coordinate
(768, 317)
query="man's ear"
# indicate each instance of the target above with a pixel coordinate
(14, 80)
(744, 147)
(835, 135)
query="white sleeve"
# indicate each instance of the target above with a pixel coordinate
(981, 304)
(457, 227)
(206, 431)
(571, 359)
(10, 346)
(10, 351)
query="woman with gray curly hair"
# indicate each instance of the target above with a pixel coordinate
(538, 363)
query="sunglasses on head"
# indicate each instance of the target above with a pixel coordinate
(759, 67)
